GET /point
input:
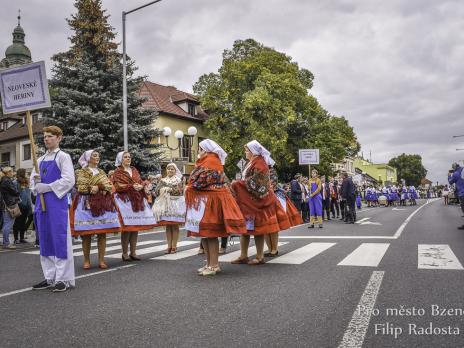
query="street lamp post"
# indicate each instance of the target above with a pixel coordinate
(179, 135)
(124, 77)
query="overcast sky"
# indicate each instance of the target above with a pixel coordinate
(393, 68)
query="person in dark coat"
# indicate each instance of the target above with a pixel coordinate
(325, 199)
(22, 222)
(348, 194)
(295, 192)
(10, 197)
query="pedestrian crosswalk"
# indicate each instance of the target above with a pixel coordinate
(429, 256)
(367, 254)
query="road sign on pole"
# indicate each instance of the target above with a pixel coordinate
(25, 88)
(308, 156)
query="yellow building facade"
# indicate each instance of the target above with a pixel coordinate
(382, 172)
(180, 118)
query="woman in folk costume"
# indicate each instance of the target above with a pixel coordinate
(130, 198)
(211, 210)
(93, 210)
(294, 216)
(412, 195)
(258, 203)
(315, 200)
(169, 206)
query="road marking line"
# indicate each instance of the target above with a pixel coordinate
(403, 225)
(371, 223)
(395, 236)
(367, 254)
(78, 277)
(236, 254)
(153, 249)
(303, 254)
(436, 256)
(364, 219)
(356, 331)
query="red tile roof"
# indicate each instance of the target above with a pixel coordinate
(164, 99)
(18, 131)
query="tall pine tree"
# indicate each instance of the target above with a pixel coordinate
(87, 94)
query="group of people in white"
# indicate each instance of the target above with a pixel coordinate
(390, 195)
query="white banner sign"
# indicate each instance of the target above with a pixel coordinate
(308, 156)
(24, 88)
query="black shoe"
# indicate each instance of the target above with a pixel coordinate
(320, 226)
(311, 226)
(59, 287)
(461, 228)
(23, 241)
(42, 285)
(16, 242)
(351, 222)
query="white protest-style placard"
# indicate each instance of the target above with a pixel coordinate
(24, 88)
(308, 156)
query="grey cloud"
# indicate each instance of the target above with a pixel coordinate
(394, 69)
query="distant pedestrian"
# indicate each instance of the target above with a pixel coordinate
(457, 177)
(315, 200)
(10, 200)
(348, 194)
(445, 194)
(23, 221)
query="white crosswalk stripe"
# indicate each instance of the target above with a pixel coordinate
(76, 246)
(94, 251)
(118, 247)
(236, 254)
(437, 256)
(153, 249)
(178, 255)
(367, 254)
(303, 254)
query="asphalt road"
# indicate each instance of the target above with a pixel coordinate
(337, 286)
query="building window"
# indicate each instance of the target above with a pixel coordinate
(187, 148)
(6, 158)
(191, 109)
(27, 154)
(4, 125)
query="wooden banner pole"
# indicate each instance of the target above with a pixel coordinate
(34, 154)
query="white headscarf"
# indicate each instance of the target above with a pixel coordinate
(85, 158)
(178, 174)
(259, 150)
(211, 146)
(118, 161)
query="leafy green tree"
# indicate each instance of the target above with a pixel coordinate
(409, 168)
(259, 93)
(87, 94)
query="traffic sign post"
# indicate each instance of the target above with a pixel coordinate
(308, 156)
(25, 88)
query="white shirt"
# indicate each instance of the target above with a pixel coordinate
(63, 185)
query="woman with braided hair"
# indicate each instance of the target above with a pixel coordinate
(93, 210)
